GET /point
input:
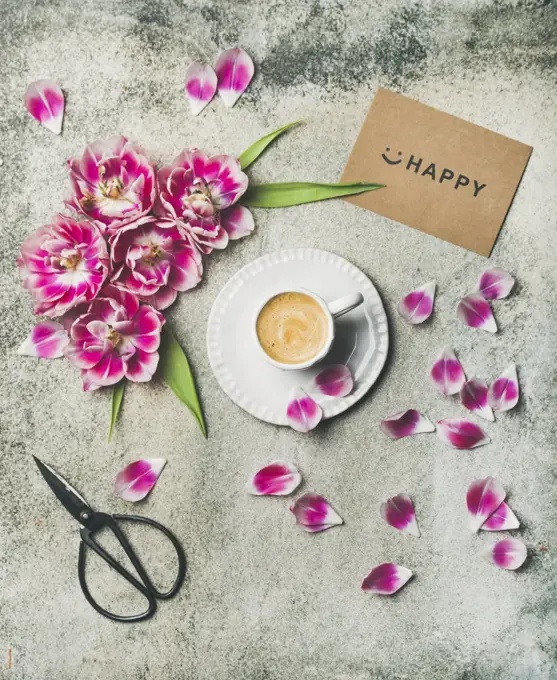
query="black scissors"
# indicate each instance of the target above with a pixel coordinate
(91, 522)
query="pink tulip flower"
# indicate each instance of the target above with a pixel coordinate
(116, 338)
(113, 182)
(154, 259)
(201, 192)
(63, 265)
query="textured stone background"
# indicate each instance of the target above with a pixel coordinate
(264, 600)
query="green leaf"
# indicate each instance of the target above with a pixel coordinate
(286, 194)
(117, 396)
(175, 369)
(253, 152)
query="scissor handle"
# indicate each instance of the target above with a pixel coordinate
(144, 586)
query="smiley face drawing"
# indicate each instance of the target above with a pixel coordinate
(388, 160)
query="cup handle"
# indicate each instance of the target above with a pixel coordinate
(345, 304)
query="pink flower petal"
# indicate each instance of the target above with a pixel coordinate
(447, 373)
(503, 393)
(276, 479)
(45, 102)
(234, 69)
(473, 395)
(417, 306)
(334, 381)
(135, 481)
(406, 423)
(141, 366)
(495, 284)
(237, 221)
(302, 412)
(503, 519)
(386, 579)
(476, 312)
(509, 553)
(313, 513)
(483, 498)
(201, 85)
(461, 434)
(399, 512)
(47, 341)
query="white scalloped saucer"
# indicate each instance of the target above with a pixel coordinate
(361, 339)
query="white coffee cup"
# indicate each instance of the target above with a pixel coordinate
(332, 310)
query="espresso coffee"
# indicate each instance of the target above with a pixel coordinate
(292, 328)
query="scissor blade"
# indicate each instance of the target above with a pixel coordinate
(74, 503)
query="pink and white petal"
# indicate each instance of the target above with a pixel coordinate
(495, 284)
(141, 366)
(303, 413)
(88, 385)
(108, 371)
(399, 513)
(509, 553)
(461, 434)
(503, 393)
(276, 479)
(162, 299)
(122, 297)
(476, 312)
(386, 579)
(45, 102)
(473, 395)
(334, 381)
(483, 497)
(406, 423)
(503, 519)
(447, 373)
(84, 358)
(313, 513)
(234, 69)
(201, 85)
(147, 328)
(417, 306)
(135, 481)
(47, 341)
(237, 221)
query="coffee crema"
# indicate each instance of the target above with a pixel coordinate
(292, 328)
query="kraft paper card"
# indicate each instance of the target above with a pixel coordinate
(443, 175)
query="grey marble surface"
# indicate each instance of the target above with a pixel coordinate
(263, 600)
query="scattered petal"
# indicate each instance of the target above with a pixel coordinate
(447, 373)
(234, 69)
(201, 85)
(313, 513)
(399, 512)
(46, 341)
(509, 553)
(45, 102)
(483, 498)
(473, 395)
(495, 284)
(334, 381)
(503, 393)
(135, 481)
(476, 312)
(503, 519)
(461, 434)
(275, 479)
(303, 412)
(386, 579)
(417, 306)
(406, 423)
